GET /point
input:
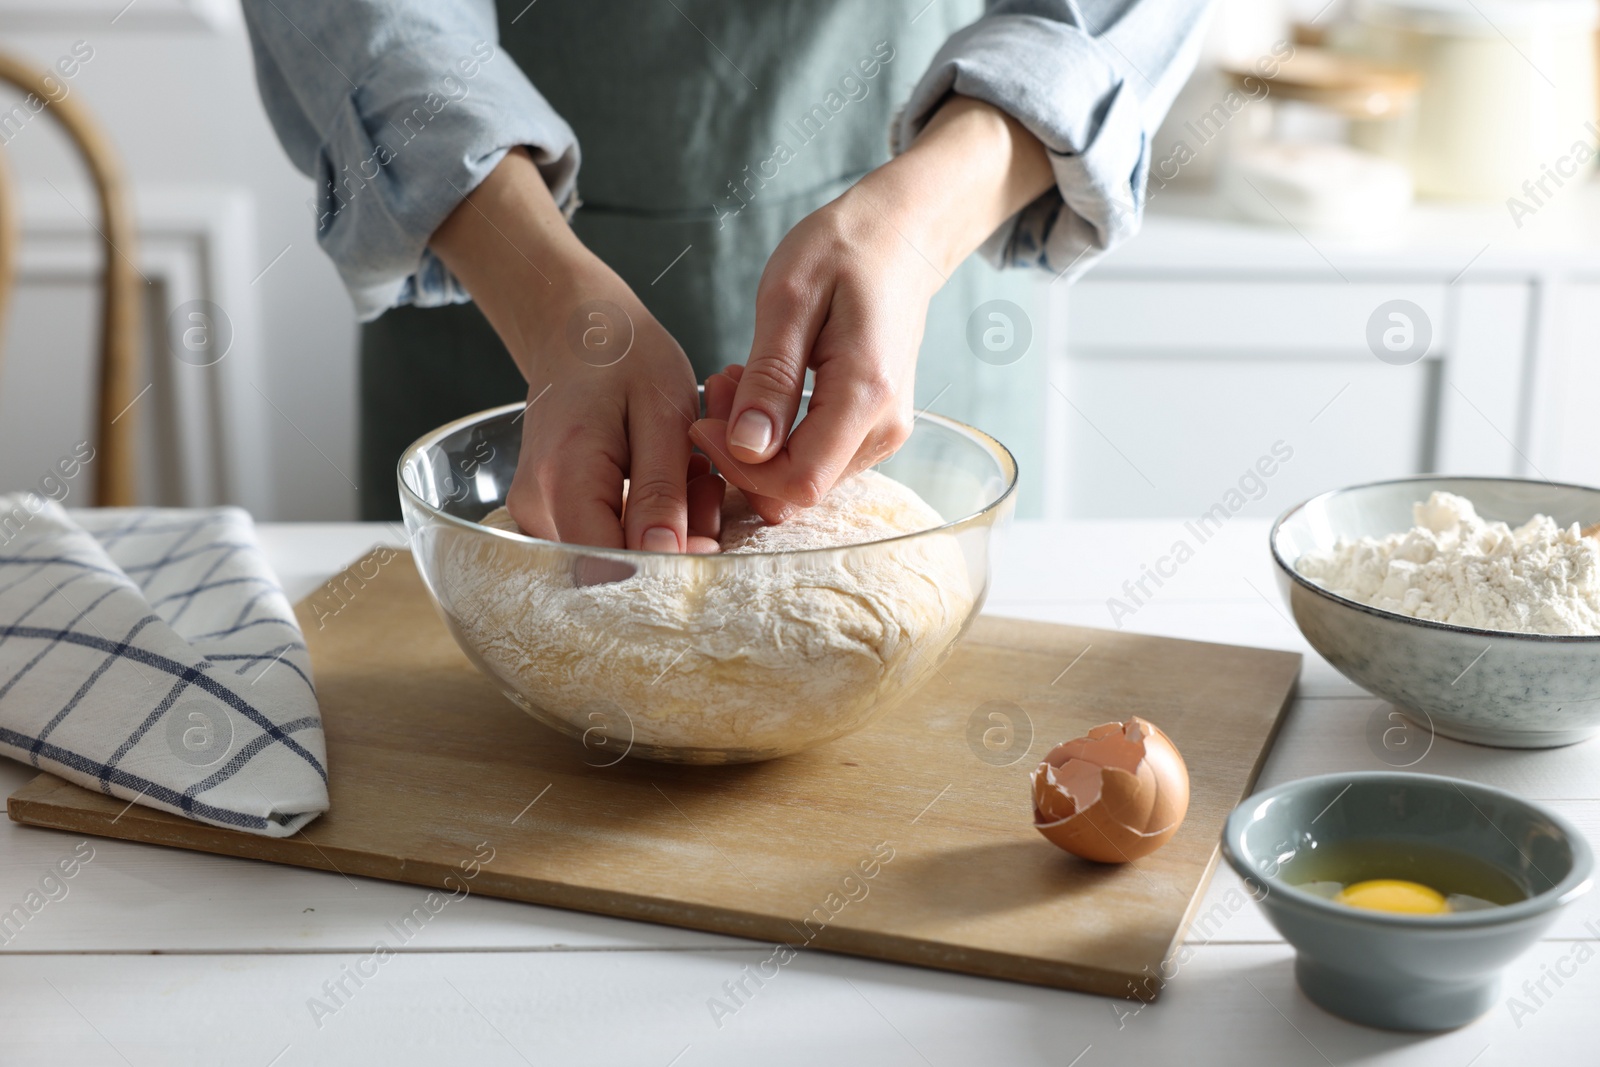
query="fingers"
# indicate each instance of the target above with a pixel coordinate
(857, 417)
(705, 506)
(720, 389)
(568, 481)
(656, 519)
(587, 498)
(853, 422)
(571, 476)
(705, 493)
(584, 488)
(584, 494)
(526, 505)
(789, 315)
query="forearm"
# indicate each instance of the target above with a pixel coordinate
(1089, 79)
(972, 168)
(514, 252)
(607, 418)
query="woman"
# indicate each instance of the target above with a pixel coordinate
(716, 136)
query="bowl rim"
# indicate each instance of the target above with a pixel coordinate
(999, 451)
(1577, 881)
(1433, 624)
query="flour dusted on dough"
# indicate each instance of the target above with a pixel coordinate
(1455, 567)
(719, 654)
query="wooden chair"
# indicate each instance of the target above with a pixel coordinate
(121, 285)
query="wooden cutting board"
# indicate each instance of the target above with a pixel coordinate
(908, 841)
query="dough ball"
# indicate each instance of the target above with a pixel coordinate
(718, 658)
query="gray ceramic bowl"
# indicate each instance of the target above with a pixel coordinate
(1488, 686)
(1404, 972)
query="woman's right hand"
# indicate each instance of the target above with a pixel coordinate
(611, 396)
(610, 393)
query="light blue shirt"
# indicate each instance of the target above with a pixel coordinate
(344, 83)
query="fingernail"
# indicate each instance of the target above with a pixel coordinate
(659, 539)
(753, 432)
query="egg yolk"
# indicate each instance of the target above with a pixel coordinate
(1394, 894)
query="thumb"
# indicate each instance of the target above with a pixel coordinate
(788, 318)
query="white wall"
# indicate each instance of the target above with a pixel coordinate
(174, 84)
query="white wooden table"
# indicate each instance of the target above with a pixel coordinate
(153, 956)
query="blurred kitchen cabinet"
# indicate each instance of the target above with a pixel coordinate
(1252, 316)
(1485, 385)
(1162, 434)
(1566, 393)
(1215, 349)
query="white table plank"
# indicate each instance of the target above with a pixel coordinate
(306, 554)
(1323, 735)
(1227, 1005)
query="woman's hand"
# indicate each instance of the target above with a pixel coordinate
(611, 396)
(610, 393)
(846, 295)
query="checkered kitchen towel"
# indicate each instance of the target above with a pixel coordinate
(150, 654)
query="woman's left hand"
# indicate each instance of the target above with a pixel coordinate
(846, 294)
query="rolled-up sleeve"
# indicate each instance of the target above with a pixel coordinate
(397, 110)
(1092, 80)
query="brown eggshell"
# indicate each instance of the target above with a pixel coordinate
(1112, 796)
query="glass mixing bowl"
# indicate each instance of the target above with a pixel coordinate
(703, 659)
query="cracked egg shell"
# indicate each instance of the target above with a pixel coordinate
(1113, 796)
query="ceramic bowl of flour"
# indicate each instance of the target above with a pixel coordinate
(794, 635)
(1470, 682)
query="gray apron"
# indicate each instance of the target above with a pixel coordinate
(708, 128)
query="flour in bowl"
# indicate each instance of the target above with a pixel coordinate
(1458, 568)
(735, 658)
